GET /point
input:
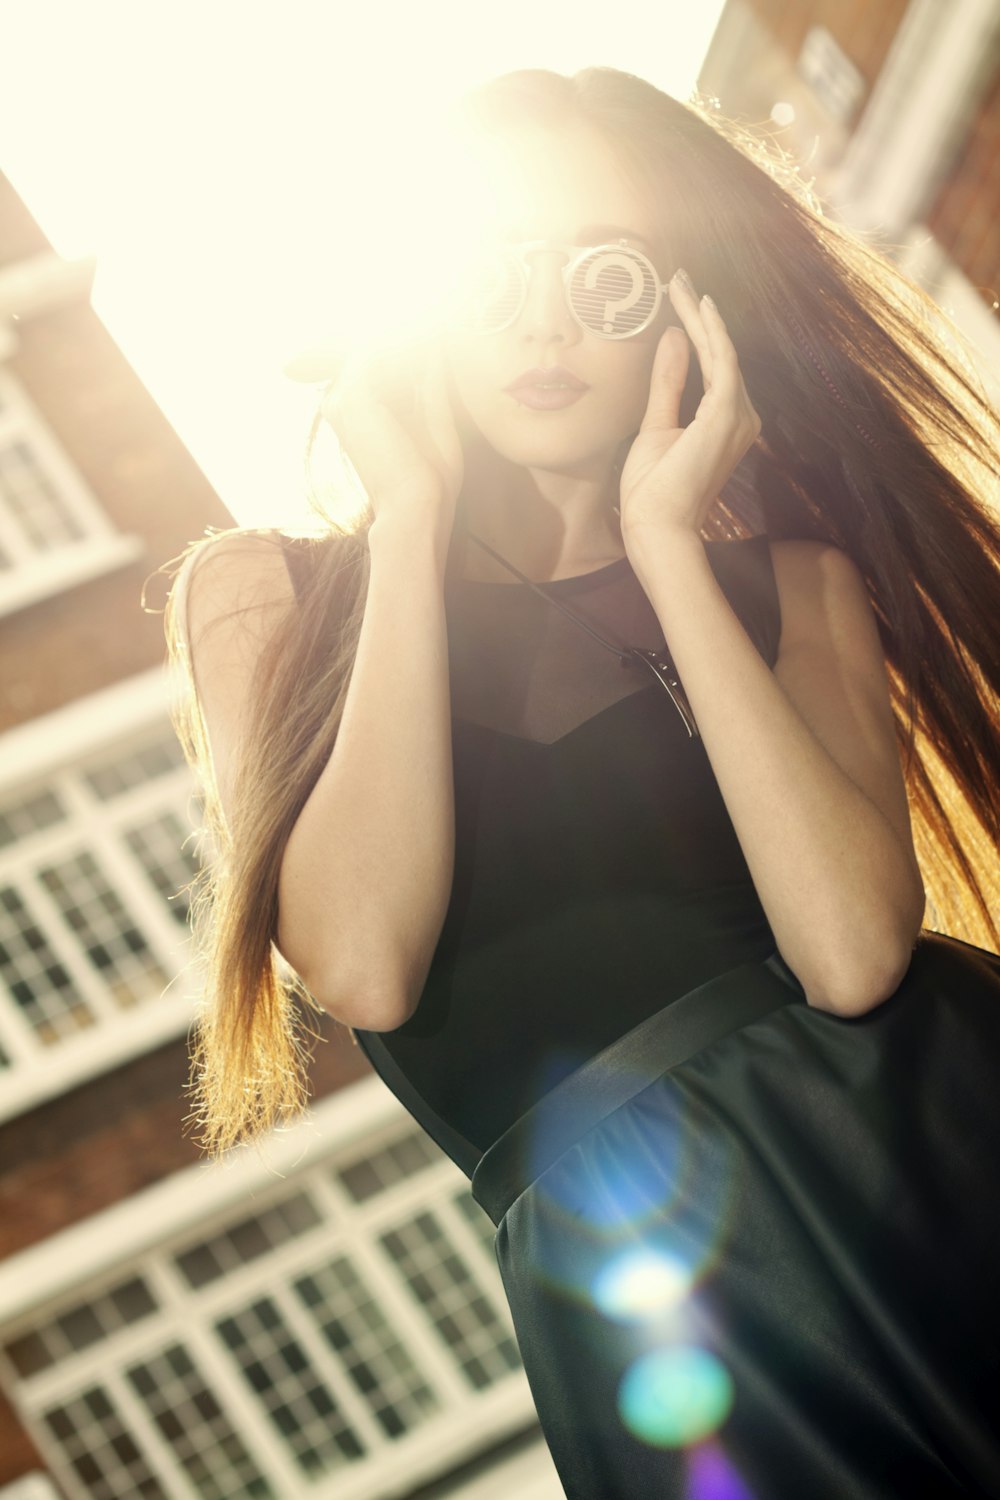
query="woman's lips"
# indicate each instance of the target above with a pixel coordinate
(540, 399)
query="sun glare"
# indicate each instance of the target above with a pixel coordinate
(257, 180)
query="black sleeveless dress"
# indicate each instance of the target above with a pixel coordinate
(751, 1249)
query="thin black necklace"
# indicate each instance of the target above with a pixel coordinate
(657, 661)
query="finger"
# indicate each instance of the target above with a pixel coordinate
(724, 357)
(688, 308)
(729, 376)
(727, 364)
(666, 380)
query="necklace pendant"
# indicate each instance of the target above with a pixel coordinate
(665, 673)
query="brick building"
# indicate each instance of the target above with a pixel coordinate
(894, 108)
(328, 1320)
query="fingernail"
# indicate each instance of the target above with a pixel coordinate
(682, 276)
(707, 299)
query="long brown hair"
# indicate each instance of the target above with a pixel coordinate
(875, 437)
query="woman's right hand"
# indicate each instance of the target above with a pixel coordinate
(393, 417)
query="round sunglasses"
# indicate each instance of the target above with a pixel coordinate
(613, 290)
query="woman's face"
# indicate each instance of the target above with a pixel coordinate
(566, 186)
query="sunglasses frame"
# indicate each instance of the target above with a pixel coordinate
(575, 254)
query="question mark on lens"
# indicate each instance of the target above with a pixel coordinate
(615, 305)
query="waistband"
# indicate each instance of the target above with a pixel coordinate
(603, 1083)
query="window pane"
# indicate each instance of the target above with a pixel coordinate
(132, 1301)
(36, 980)
(83, 1324)
(105, 929)
(359, 1333)
(28, 1355)
(198, 1431)
(410, 1153)
(277, 1370)
(33, 501)
(120, 771)
(100, 1450)
(248, 1239)
(450, 1296)
(80, 1327)
(28, 815)
(159, 846)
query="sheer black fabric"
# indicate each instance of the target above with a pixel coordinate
(521, 667)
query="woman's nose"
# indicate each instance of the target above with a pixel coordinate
(545, 310)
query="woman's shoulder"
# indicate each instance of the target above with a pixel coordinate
(743, 568)
(240, 547)
(820, 588)
(829, 629)
(263, 563)
(242, 582)
(257, 546)
(221, 568)
(794, 556)
(792, 590)
(797, 553)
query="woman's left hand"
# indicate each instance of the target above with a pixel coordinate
(673, 474)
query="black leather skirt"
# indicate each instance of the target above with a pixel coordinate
(752, 1249)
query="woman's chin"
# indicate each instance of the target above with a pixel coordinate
(568, 453)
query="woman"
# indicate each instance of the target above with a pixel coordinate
(610, 869)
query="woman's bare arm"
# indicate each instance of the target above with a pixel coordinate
(366, 875)
(806, 760)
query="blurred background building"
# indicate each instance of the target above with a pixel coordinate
(327, 1320)
(894, 107)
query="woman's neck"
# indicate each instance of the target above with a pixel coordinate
(468, 560)
(548, 526)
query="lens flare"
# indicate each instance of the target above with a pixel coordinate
(641, 1284)
(712, 1477)
(657, 1175)
(671, 1397)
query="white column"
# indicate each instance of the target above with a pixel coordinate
(942, 60)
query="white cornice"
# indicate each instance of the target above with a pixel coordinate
(40, 745)
(195, 1193)
(43, 281)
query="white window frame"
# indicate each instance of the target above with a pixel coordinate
(100, 549)
(140, 1235)
(33, 1486)
(35, 755)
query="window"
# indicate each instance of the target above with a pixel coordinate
(53, 533)
(95, 861)
(319, 1339)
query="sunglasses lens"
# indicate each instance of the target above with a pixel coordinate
(613, 292)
